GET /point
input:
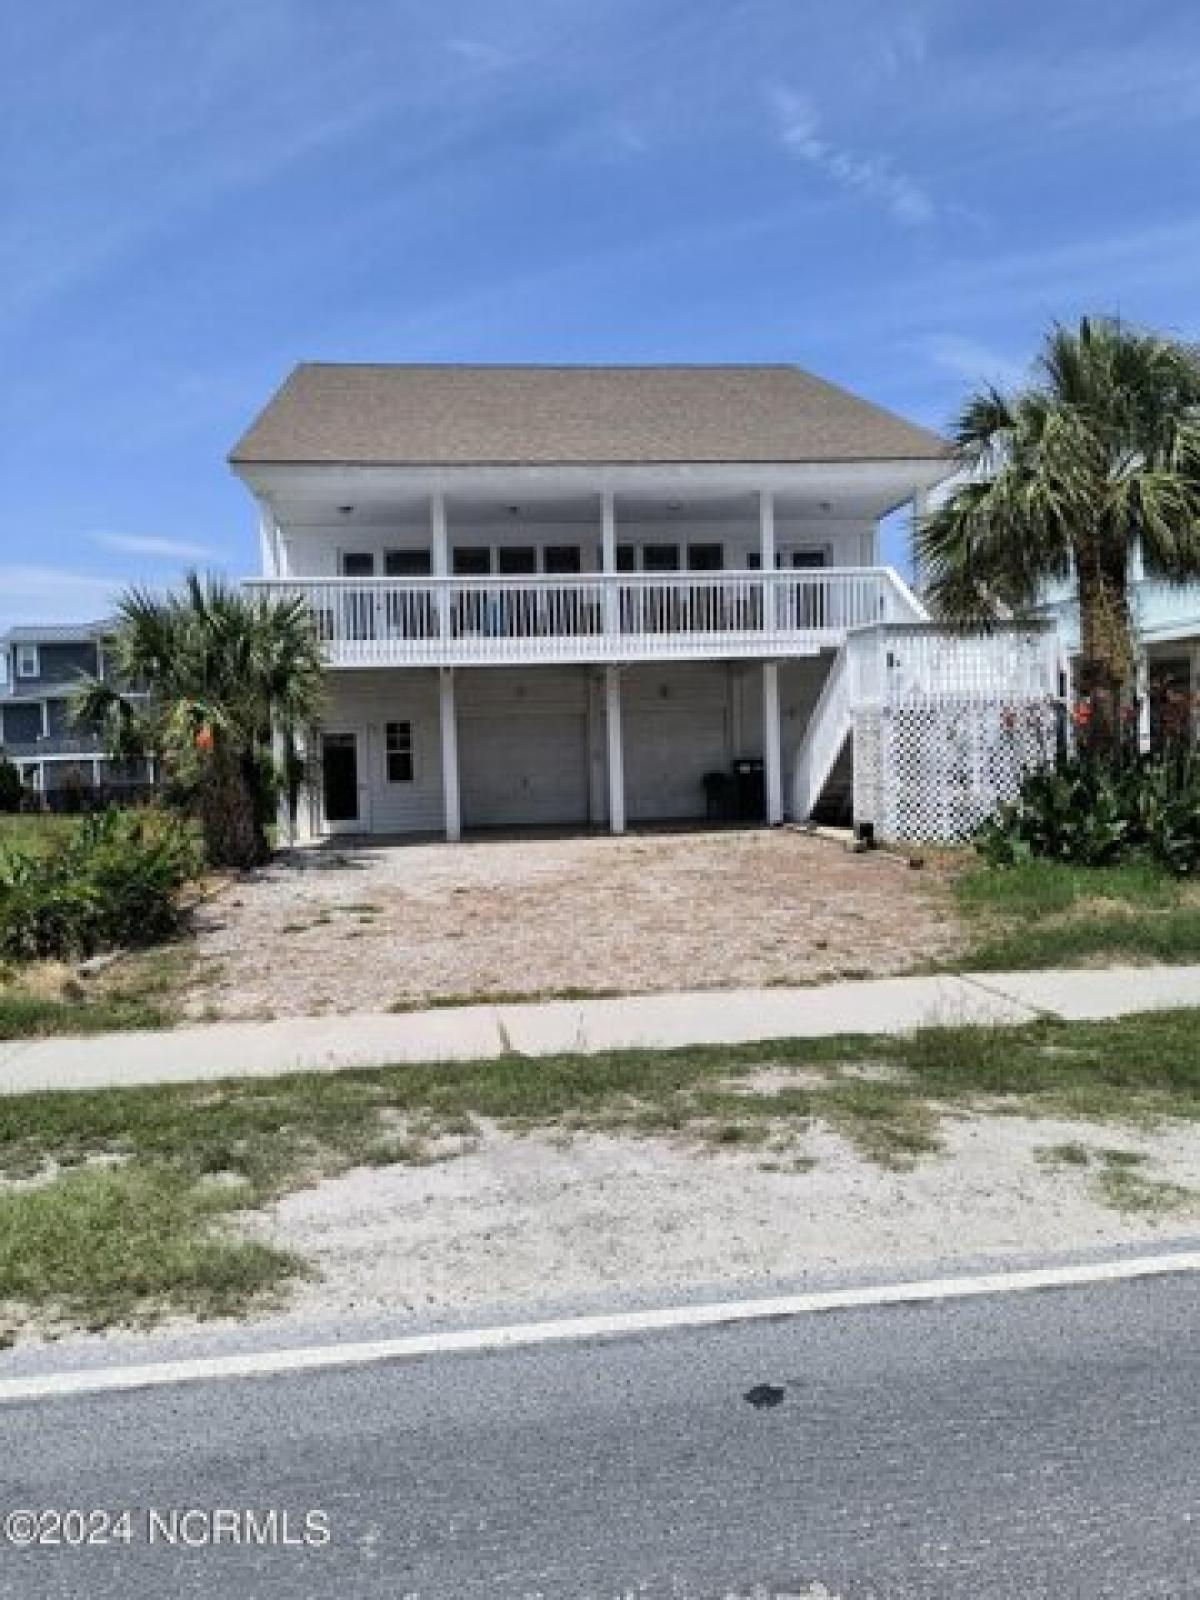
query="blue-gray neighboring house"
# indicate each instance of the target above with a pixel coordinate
(40, 668)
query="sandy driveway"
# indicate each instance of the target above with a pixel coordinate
(367, 927)
(535, 1220)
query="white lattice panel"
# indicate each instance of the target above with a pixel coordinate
(948, 763)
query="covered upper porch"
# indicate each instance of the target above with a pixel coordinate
(506, 565)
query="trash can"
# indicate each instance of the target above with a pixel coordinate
(718, 796)
(750, 791)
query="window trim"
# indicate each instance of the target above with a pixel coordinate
(35, 653)
(404, 747)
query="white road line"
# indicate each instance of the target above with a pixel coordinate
(269, 1363)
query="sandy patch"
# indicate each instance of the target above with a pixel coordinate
(365, 928)
(529, 1219)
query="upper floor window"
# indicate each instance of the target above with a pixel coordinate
(399, 752)
(358, 564)
(28, 662)
(562, 558)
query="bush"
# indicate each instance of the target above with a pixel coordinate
(1103, 809)
(113, 880)
(12, 790)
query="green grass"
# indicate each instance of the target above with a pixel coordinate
(34, 829)
(141, 992)
(1047, 914)
(117, 1201)
(1119, 1181)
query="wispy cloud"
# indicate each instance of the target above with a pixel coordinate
(156, 549)
(875, 178)
(30, 593)
(480, 54)
(975, 362)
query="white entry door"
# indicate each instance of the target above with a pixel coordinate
(343, 783)
(523, 770)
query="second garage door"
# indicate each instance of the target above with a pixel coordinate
(667, 753)
(523, 770)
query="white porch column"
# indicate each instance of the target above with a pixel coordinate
(608, 561)
(450, 800)
(439, 558)
(1142, 690)
(616, 753)
(766, 529)
(766, 555)
(772, 758)
(920, 510)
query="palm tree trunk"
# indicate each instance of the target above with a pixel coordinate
(1107, 672)
(232, 836)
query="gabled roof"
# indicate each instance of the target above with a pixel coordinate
(550, 416)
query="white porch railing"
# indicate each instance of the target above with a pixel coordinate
(483, 621)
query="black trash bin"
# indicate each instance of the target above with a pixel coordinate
(718, 796)
(750, 791)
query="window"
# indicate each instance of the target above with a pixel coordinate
(808, 560)
(358, 564)
(406, 563)
(626, 558)
(660, 558)
(28, 665)
(517, 561)
(705, 557)
(400, 752)
(562, 558)
(471, 562)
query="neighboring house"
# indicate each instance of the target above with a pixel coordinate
(40, 668)
(1166, 625)
(593, 596)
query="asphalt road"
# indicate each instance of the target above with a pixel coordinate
(1020, 1447)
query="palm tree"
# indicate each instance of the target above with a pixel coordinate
(1096, 460)
(220, 674)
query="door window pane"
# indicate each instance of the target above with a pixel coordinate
(339, 761)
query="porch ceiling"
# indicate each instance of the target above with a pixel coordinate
(355, 498)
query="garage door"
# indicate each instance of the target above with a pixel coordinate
(522, 770)
(667, 753)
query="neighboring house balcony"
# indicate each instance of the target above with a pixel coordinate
(626, 617)
(1162, 613)
(41, 749)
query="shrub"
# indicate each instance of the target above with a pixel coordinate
(1099, 809)
(12, 790)
(113, 880)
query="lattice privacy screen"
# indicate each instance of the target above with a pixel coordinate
(933, 769)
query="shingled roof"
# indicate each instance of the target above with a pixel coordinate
(547, 416)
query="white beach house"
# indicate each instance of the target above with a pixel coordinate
(602, 596)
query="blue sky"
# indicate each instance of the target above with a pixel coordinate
(899, 194)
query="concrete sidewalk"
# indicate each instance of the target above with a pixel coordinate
(327, 1043)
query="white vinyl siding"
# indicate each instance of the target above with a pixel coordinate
(365, 703)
